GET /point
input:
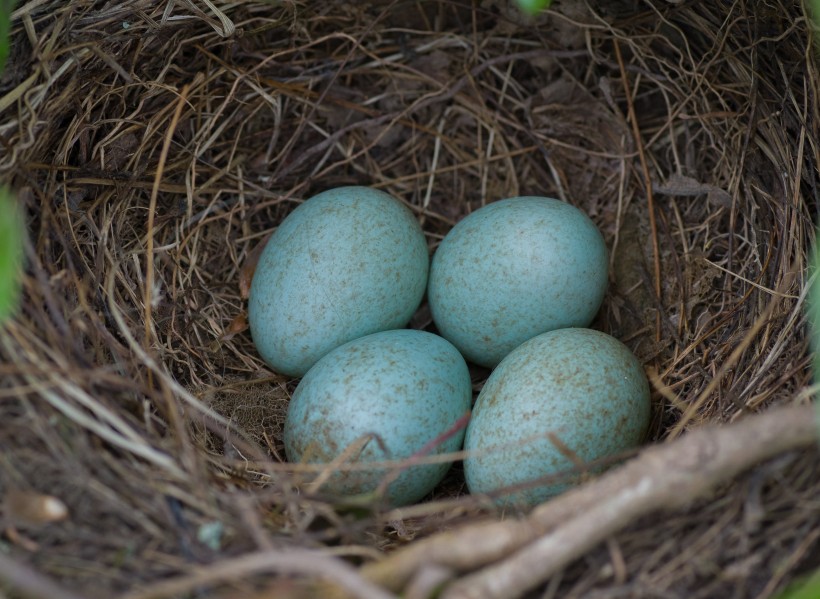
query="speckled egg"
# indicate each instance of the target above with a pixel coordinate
(346, 263)
(408, 387)
(512, 270)
(570, 394)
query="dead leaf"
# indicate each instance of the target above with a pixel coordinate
(118, 152)
(24, 508)
(238, 325)
(249, 267)
(436, 64)
(680, 185)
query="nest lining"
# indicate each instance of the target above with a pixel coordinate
(148, 433)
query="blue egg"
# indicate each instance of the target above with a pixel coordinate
(346, 263)
(564, 397)
(512, 270)
(406, 387)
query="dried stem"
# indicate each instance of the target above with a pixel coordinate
(306, 563)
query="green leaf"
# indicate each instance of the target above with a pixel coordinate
(813, 309)
(533, 7)
(813, 314)
(11, 254)
(6, 8)
(814, 11)
(808, 588)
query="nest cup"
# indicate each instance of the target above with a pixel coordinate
(154, 148)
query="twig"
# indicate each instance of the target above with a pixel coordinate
(666, 476)
(309, 563)
(152, 208)
(428, 447)
(647, 183)
(32, 583)
(661, 477)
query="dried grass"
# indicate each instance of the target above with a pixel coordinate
(130, 389)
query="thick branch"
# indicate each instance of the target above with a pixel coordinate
(557, 532)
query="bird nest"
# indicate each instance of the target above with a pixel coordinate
(154, 146)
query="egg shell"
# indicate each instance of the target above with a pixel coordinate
(407, 386)
(346, 263)
(512, 270)
(583, 387)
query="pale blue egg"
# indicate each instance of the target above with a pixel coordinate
(564, 396)
(512, 270)
(407, 387)
(346, 263)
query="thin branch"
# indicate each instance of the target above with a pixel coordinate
(647, 183)
(152, 208)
